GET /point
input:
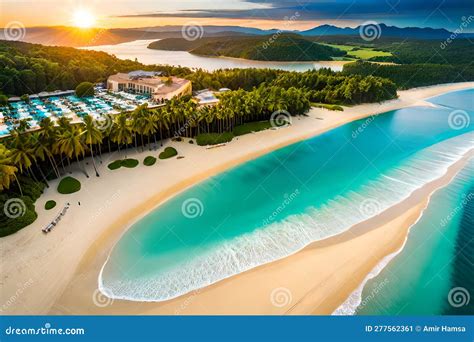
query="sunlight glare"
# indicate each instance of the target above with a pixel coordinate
(83, 19)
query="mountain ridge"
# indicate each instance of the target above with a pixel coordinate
(75, 37)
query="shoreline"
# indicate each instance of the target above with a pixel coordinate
(82, 242)
(251, 292)
(423, 206)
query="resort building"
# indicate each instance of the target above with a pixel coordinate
(205, 97)
(150, 82)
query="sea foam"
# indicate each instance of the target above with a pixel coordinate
(283, 238)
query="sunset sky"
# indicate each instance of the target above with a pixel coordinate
(256, 13)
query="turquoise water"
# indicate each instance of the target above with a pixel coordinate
(437, 258)
(275, 205)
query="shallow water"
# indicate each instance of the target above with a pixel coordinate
(437, 258)
(273, 206)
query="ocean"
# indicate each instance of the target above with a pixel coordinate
(275, 205)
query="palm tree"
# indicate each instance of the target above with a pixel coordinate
(64, 124)
(22, 155)
(122, 133)
(40, 151)
(92, 135)
(150, 125)
(7, 171)
(46, 137)
(139, 121)
(70, 143)
(23, 126)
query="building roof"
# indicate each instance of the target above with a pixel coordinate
(177, 84)
(141, 74)
(206, 96)
(151, 81)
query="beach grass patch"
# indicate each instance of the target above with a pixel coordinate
(130, 163)
(69, 185)
(50, 205)
(149, 161)
(214, 138)
(251, 127)
(168, 153)
(328, 106)
(360, 52)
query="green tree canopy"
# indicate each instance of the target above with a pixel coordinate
(85, 89)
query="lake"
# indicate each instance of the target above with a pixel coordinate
(138, 49)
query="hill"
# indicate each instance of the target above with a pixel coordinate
(31, 68)
(285, 47)
(79, 37)
(75, 37)
(406, 51)
(383, 31)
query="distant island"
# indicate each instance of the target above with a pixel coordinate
(284, 47)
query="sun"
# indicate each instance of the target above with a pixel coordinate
(83, 19)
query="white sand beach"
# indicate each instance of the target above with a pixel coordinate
(57, 273)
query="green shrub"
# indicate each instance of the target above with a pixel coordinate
(213, 138)
(69, 185)
(251, 127)
(25, 98)
(149, 161)
(328, 106)
(50, 205)
(23, 207)
(85, 89)
(168, 153)
(3, 100)
(130, 163)
(115, 165)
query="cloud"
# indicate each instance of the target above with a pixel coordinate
(394, 11)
